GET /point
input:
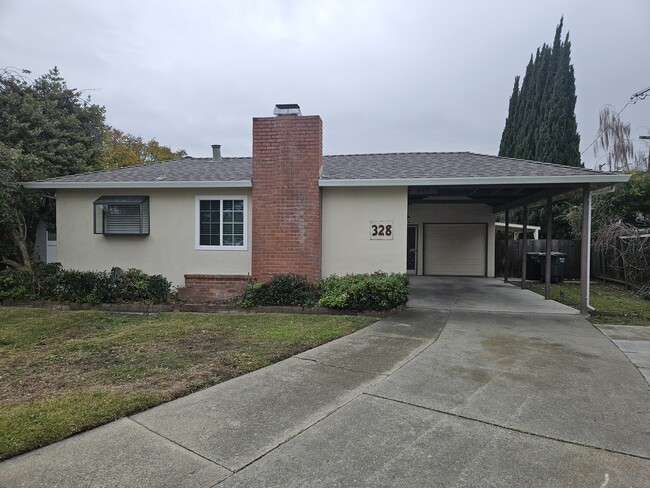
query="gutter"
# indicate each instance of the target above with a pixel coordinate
(473, 181)
(56, 185)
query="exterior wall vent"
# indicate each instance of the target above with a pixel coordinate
(287, 109)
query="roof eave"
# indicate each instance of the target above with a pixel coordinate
(479, 181)
(60, 185)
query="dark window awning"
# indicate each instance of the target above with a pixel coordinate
(120, 200)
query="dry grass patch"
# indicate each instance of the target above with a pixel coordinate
(64, 372)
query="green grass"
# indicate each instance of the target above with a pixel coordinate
(613, 304)
(65, 372)
(29, 425)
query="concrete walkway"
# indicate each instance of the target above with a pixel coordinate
(492, 387)
(634, 341)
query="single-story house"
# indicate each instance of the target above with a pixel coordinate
(213, 224)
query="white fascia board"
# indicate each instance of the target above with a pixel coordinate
(136, 184)
(473, 181)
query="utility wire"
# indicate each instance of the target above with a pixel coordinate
(605, 128)
(640, 95)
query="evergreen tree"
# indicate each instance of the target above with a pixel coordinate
(51, 122)
(541, 123)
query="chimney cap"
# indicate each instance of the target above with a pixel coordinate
(216, 152)
(287, 109)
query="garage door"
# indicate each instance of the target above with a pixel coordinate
(455, 249)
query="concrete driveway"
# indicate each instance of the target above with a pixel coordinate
(487, 386)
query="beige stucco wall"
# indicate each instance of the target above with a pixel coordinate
(453, 214)
(169, 249)
(347, 213)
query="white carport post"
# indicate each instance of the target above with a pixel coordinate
(549, 248)
(506, 264)
(524, 245)
(585, 249)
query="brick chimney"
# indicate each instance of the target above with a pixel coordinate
(287, 160)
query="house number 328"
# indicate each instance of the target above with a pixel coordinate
(381, 229)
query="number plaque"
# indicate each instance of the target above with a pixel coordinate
(381, 229)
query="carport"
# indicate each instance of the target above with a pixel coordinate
(462, 244)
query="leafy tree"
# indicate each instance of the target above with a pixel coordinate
(46, 130)
(541, 123)
(629, 205)
(18, 207)
(122, 149)
(50, 121)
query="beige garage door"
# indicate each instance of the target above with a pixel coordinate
(455, 249)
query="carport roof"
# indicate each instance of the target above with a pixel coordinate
(463, 176)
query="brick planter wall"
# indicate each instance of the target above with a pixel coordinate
(204, 288)
(287, 160)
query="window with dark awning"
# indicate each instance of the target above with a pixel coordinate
(121, 215)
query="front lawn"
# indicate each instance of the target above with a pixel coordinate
(613, 304)
(64, 372)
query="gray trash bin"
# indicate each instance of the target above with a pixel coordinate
(558, 260)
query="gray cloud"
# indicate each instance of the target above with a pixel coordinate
(384, 75)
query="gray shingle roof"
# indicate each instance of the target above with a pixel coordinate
(393, 166)
(185, 169)
(438, 165)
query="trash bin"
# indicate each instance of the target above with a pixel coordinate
(533, 271)
(557, 266)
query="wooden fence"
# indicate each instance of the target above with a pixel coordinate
(604, 265)
(569, 247)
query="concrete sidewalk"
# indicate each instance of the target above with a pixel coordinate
(504, 397)
(634, 341)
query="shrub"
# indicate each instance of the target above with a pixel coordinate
(51, 282)
(282, 290)
(377, 291)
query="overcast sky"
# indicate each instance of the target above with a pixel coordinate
(385, 76)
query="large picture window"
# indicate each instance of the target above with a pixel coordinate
(121, 215)
(221, 222)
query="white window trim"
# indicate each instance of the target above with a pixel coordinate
(197, 224)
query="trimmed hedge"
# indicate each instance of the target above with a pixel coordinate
(377, 291)
(51, 282)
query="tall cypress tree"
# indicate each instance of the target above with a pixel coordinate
(541, 123)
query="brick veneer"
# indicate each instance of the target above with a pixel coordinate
(287, 160)
(205, 288)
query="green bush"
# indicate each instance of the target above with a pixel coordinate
(282, 290)
(51, 282)
(377, 291)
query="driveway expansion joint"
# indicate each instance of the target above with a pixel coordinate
(185, 448)
(505, 427)
(397, 336)
(293, 436)
(378, 378)
(625, 353)
(334, 366)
